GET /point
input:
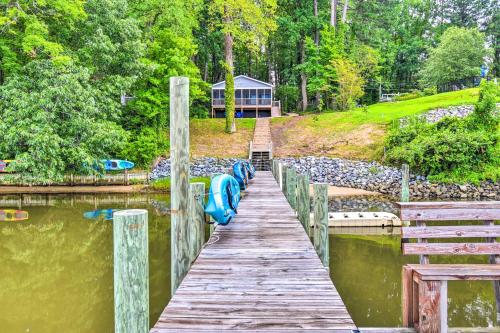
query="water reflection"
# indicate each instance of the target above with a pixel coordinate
(12, 215)
(106, 214)
(56, 269)
(367, 273)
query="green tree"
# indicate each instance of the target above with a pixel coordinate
(247, 22)
(52, 124)
(109, 44)
(459, 55)
(350, 84)
(31, 30)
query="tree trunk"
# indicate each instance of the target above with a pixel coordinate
(344, 12)
(316, 42)
(205, 71)
(333, 14)
(316, 30)
(303, 76)
(229, 91)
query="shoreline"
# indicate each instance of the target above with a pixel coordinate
(71, 189)
(333, 191)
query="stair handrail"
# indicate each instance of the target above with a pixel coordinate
(250, 150)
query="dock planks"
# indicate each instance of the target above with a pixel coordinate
(260, 273)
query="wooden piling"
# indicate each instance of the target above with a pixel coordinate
(276, 169)
(280, 175)
(405, 187)
(291, 187)
(320, 208)
(179, 159)
(196, 230)
(284, 169)
(405, 183)
(131, 271)
(303, 201)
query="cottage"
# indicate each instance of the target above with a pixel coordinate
(253, 99)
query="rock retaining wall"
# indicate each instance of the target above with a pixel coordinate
(373, 176)
(370, 176)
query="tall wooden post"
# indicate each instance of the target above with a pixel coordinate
(284, 172)
(291, 187)
(303, 201)
(405, 186)
(131, 271)
(320, 208)
(405, 183)
(196, 219)
(280, 175)
(179, 164)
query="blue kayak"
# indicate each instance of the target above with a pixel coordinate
(250, 169)
(223, 199)
(113, 165)
(95, 214)
(240, 173)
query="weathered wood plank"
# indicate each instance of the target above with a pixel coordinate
(456, 271)
(303, 201)
(407, 296)
(450, 211)
(320, 207)
(131, 270)
(451, 248)
(429, 301)
(196, 232)
(450, 232)
(179, 160)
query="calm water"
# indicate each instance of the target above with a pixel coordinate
(56, 268)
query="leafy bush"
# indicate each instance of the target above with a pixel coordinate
(459, 55)
(52, 122)
(452, 149)
(350, 84)
(430, 91)
(417, 94)
(407, 96)
(147, 146)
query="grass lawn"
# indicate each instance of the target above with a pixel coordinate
(208, 138)
(354, 134)
(164, 184)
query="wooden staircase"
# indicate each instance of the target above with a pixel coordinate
(261, 148)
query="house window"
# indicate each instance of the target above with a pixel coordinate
(216, 94)
(253, 97)
(264, 96)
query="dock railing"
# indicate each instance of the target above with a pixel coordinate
(297, 192)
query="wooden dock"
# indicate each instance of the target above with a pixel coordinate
(260, 273)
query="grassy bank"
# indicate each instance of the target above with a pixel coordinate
(163, 185)
(208, 138)
(357, 134)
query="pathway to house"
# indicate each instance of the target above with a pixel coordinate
(262, 135)
(262, 148)
(260, 273)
